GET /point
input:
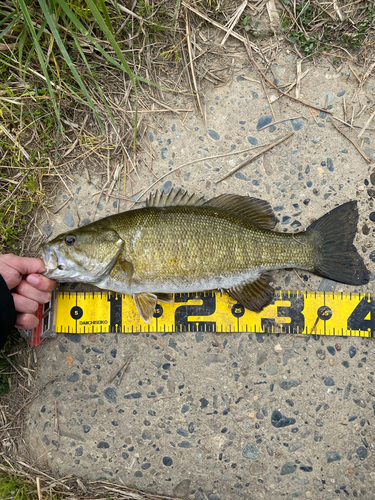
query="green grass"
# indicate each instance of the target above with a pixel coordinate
(314, 31)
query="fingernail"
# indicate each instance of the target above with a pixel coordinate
(32, 279)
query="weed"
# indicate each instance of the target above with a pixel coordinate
(313, 30)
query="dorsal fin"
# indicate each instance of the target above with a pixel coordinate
(173, 199)
(259, 212)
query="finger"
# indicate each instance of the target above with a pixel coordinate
(41, 282)
(24, 305)
(24, 265)
(26, 321)
(32, 293)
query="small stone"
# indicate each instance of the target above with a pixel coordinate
(319, 422)
(167, 461)
(295, 494)
(251, 451)
(241, 176)
(110, 394)
(316, 138)
(215, 358)
(331, 350)
(288, 354)
(296, 124)
(372, 217)
(263, 121)
(306, 468)
(352, 351)
(68, 219)
(331, 361)
(271, 370)
(256, 469)
(360, 402)
(252, 140)
(182, 489)
(350, 471)
(294, 447)
(288, 468)
(278, 348)
(345, 364)
(308, 494)
(279, 420)
(372, 178)
(289, 384)
(213, 134)
(328, 381)
(320, 354)
(261, 358)
(362, 452)
(332, 456)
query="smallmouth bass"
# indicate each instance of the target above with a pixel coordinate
(180, 243)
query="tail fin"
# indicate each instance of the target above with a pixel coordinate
(337, 257)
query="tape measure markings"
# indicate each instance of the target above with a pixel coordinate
(289, 312)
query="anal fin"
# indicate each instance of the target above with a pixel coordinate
(165, 297)
(145, 303)
(255, 295)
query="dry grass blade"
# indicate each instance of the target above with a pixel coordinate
(14, 140)
(366, 125)
(188, 41)
(218, 25)
(232, 23)
(252, 158)
(354, 144)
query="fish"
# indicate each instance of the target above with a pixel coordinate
(182, 243)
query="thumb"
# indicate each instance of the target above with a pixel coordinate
(25, 265)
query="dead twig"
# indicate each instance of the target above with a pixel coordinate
(366, 125)
(252, 158)
(122, 370)
(354, 144)
(188, 41)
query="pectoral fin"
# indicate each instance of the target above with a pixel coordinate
(145, 303)
(255, 295)
(122, 271)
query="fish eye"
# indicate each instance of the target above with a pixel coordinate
(61, 267)
(70, 239)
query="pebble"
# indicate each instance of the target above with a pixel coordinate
(167, 461)
(250, 451)
(328, 381)
(372, 217)
(331, 361)
(320, 354)
(294, 447)
(296, 124)
(213, 134)
(352, 351)
(261, 357)
(256, 469)
(278, 348)
(241, 176)
(271, 370)
(362, 452)
(332, 456)
(279, 420)
(289, 384)
(252, 140)
(331, 350)
(288, 468)
(68, 219)
(263, 121)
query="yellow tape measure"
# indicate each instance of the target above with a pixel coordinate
(320, 313)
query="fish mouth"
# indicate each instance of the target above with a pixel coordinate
(53, 261)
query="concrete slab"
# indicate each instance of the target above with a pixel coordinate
(221, 416)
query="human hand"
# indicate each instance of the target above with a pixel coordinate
(28, 287)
